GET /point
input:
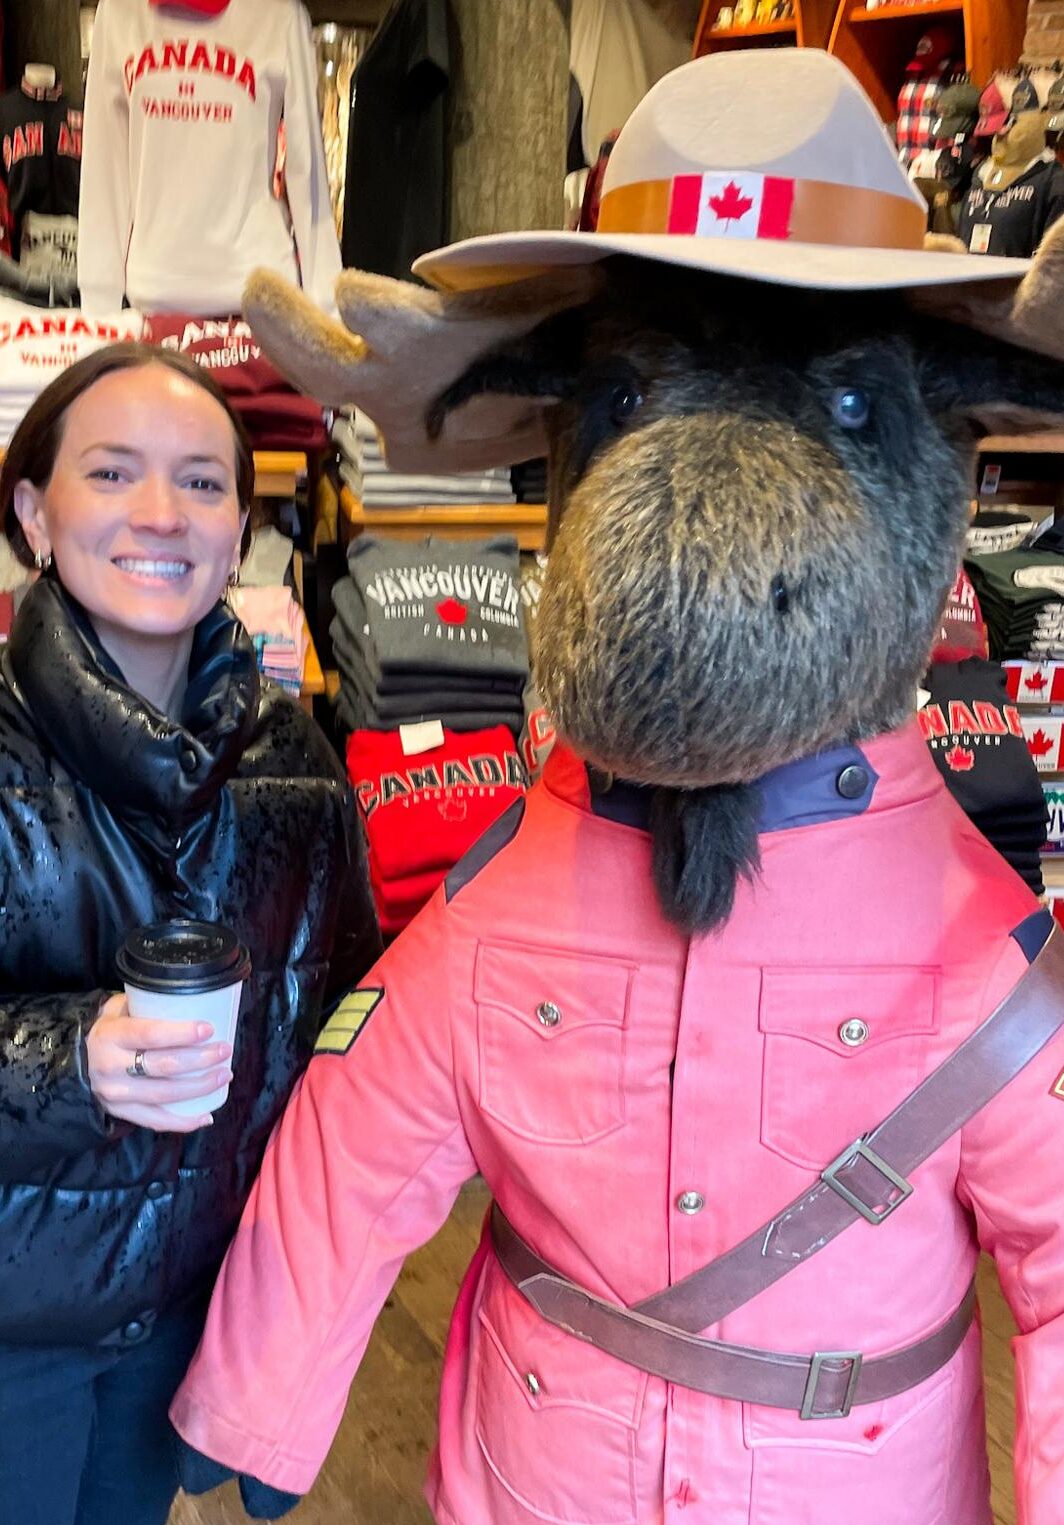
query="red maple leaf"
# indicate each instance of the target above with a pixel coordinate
(1037, 683)
(451, 612)
(1039, 745)
(961, 759)
(731, 205)
(453, 810)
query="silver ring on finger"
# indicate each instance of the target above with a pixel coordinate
(137, 1069)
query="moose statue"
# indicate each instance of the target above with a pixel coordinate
(755, 1040)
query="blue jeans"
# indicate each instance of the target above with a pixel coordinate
(84, 1437)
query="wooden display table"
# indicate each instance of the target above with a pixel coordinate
(526, 521)
(313, 677)
(278, 473)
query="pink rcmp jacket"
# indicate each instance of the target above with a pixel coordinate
(887, 907)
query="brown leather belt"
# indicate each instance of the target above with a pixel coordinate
(869, 1182)
(825, 1385)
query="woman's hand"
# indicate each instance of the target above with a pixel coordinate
(180, 1062)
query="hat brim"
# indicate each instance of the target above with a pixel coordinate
(497, 259)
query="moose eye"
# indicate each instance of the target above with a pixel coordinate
(624, 401)
(851, 408)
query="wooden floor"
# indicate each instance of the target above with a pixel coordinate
(377, 1465)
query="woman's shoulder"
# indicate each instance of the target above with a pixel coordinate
(287, 742)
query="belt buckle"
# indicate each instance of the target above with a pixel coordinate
(864, 1151)
(822, 1358)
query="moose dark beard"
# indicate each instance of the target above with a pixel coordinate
(704, 840)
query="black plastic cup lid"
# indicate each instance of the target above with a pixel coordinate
(183, 957)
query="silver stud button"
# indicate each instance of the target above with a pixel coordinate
(548, 1014)
(691, 1202)
(854, 1032)
(532, 1383)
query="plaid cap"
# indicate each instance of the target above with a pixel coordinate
(993, 113)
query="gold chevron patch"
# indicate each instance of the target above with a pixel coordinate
(348, 1020)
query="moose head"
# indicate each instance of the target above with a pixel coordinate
(758, 489)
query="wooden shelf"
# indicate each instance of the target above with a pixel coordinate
(744, 33)
(527, 521)
(876, 45)
(1022, 444)
(809, 27)
(279, 472)
(895, 12)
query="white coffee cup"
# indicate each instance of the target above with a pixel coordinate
(186, 971)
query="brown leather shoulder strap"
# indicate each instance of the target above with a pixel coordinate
(869, 1179)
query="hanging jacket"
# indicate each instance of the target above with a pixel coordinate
(639, 1102)
(112, 816)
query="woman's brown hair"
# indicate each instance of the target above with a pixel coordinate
(34, 446)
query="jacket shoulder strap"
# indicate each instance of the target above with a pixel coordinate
(870, 1178)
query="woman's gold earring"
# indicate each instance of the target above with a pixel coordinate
(41, 561)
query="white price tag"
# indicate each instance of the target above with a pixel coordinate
(415, 739)
(980, 239)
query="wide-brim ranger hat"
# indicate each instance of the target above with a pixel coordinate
(768, 164)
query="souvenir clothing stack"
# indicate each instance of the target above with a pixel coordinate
(36, 345)
(363, 469)
(975, 737)
(424, 807)
(276, 416)
(278, 631)
(1021, 594)
(430, 630)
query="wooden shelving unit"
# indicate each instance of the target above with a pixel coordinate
(877, 44)
(809, 27)
(526, 521)
(279, 472)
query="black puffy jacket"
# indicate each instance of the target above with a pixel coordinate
(112, 816)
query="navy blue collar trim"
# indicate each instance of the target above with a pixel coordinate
(832, 786)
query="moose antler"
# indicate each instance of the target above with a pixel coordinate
(1029, 314)
(400, 346)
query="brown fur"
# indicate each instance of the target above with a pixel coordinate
(737, 579)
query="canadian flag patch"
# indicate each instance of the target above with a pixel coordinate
(731, 204)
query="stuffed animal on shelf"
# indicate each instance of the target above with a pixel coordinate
(755, 1040)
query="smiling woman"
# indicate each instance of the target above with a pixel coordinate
(144, 774)
(136, 478)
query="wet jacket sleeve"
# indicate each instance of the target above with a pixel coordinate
(363, 1168)
(47, 1109)
(1011, 1180)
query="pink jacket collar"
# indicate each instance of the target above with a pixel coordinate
(849, 780)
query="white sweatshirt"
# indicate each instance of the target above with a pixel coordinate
(180, 149)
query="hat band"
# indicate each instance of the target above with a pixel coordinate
(744, 204)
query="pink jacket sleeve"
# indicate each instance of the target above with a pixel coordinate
(364, 1167)
(1011, 1180)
